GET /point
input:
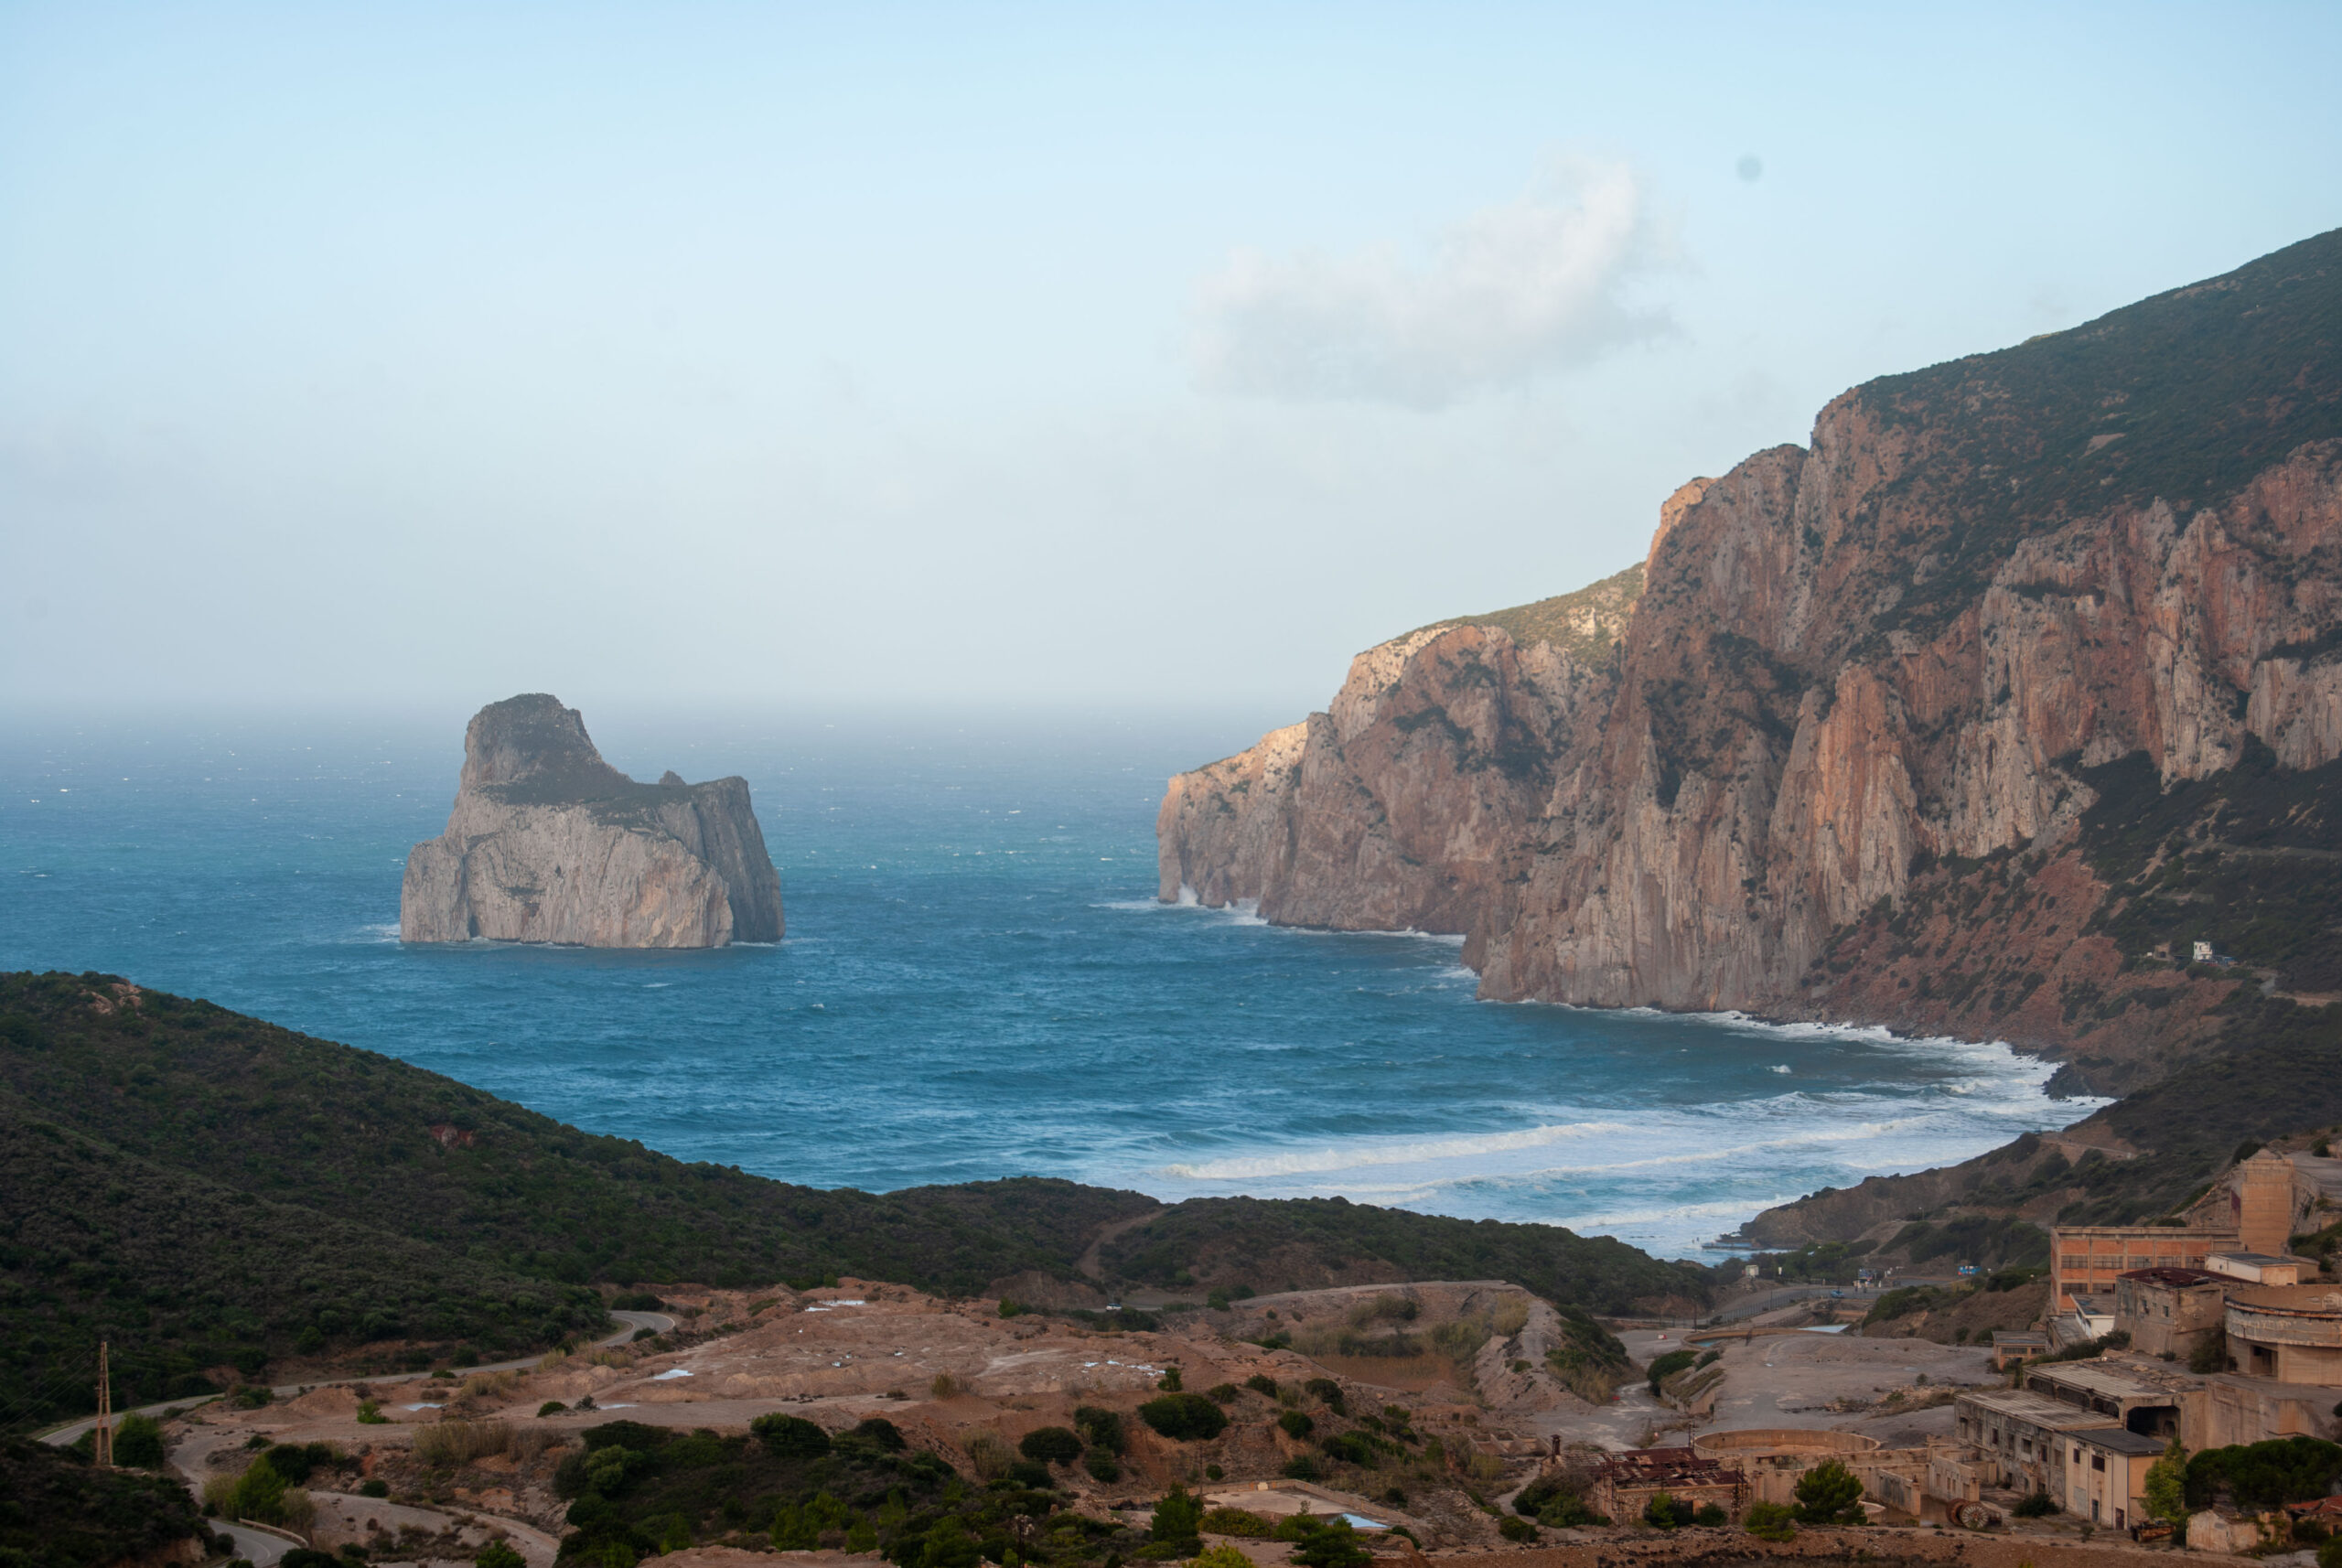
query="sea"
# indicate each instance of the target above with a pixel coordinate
(977, 981)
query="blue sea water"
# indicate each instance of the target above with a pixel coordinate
(977, 982)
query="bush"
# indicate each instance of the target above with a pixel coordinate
(1711, 1515)
(1051, 1445)
(989, 1456)
(1333, 1544)
(1325, 1392)
(1514, 1528)
(1349, 1447)
(1236, 1521)
(1303, 1469)
(1221, 1393)
(1666, 1512)
(1261, 1383)
(1531, 1501)
(498, 1554)
(551, 1407)
(375, 1487)
(1665, 1367)
(944, 1387)
(880, 1432)
(138, 1443)
(1772, 1521)
(2330, 1554)
(1100, 1428)
(1176, 1520)
(2264, 1475)
(1830, 1494)
(1100, 1462)
(449, 1444)
(1568, 1511)
(1296, 1424)
(2036, 1505)
(1033, 1475)
(369, 1413)
(1183, 1418)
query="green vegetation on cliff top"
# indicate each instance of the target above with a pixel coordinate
(2183, 397)
(1586, 625)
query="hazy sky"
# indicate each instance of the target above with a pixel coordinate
(867, 353)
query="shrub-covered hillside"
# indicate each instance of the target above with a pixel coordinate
(1284, 1243)
(207, 1191)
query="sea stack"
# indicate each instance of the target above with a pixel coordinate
(548, 842)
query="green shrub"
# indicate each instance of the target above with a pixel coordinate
(1100, 1428)
(373, 1486)
(1221, 1393)
(1177, 1518)
(1296, 1424)
(1100, 1462)
(498, 1554)
(1236, 1521)
(138, 1443)
(1665, 1367)
(1830, 1494)
(1772, 1521)
(554, 1407)
(1050, 1446)
(1349, 1447)
(1303, 1468)
(1711, 1515)
(1183, 1418)
(1568, 1511)
(1325, 1392)
(2264, 1475)
(1261, 1383)
(2035, 1505)
(1666, 1512)
(1333, 1545)
(1514, 1528)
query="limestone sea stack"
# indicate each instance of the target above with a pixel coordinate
(548, 842)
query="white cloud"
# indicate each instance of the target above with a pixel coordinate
(1507, 294)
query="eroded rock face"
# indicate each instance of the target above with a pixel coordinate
(549, 843)
(1870, 660)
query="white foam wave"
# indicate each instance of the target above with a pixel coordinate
(1315, 1162)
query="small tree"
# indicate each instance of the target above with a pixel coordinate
(1334, 1545)
(1179, 1518)
(1051, 1445)
(1830, 1494)
(138, 1443)
(1772, 1521)
(2164, 1492)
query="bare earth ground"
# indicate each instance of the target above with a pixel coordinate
(839, 1356)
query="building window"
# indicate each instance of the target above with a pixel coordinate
(2098, 1461)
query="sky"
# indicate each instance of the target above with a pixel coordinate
(1092, 355)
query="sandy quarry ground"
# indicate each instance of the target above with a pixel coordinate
(839, 1356)
(949, 1373)
(1834, 1381)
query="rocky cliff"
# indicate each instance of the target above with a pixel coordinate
(1872, 733)
(549, 843)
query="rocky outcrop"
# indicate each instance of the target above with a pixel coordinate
(549, 843)
(1871, 680)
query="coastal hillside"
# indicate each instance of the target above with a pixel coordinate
(1972, 716)
(224, 1199)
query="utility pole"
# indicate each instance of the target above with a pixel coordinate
(101, 1443)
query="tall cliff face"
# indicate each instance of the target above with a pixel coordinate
(1847, 754)
(549, 843)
